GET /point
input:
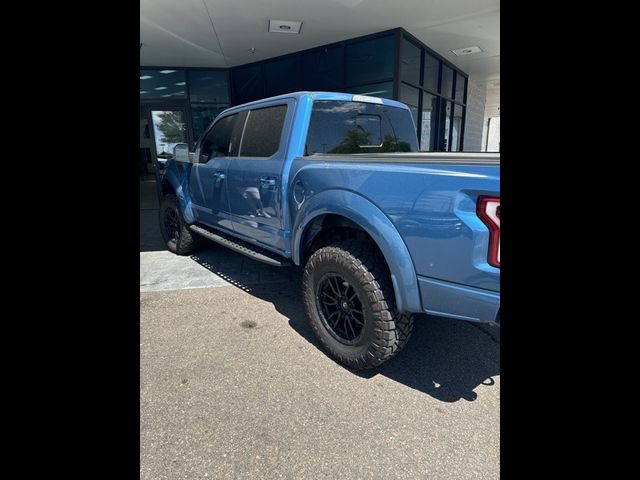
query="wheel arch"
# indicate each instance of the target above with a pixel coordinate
(347, 208)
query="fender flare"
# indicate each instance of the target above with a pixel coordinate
(372, 220)
(179, 184)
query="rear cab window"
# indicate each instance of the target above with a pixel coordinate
(339, 127)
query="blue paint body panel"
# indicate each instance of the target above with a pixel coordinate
(420, 209)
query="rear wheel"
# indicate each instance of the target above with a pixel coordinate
(350, 305)
(175, 231)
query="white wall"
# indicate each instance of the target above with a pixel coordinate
(476, 98)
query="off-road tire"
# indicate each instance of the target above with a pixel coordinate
(385, 331)
(186, 241)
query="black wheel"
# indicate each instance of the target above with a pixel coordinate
(175, 230)
(350, 305)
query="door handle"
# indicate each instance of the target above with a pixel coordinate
(268, 183)
(218, 175)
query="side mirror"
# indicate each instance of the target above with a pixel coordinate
(181, 153)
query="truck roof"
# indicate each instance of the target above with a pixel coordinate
(345, 97)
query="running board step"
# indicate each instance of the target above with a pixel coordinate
(240, 246)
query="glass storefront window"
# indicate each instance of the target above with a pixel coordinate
(445, 126)
(370, 60)
(283, 76)
(382, 90)
(410, 96)
(456, 128)
(164, 84)
(248, 83)
(428, 127)
(431, 66)
(324, 69)
(409, 62)
(460, 88)
(447, 81)
(209, 86)
(202, 116)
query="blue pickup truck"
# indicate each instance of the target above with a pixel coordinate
(335, 183)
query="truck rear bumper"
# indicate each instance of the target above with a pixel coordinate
(458, 301)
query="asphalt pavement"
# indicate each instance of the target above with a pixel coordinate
(234, 385)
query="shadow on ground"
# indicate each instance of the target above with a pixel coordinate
(446, 359)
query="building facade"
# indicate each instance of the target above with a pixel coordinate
(177, 104)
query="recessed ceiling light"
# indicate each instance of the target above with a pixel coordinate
(181, 83)
(284, 26)
(145, 77)
(160, 88)
(143, 91)
(167, 71)
(466, 50)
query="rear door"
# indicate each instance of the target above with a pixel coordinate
(208, 183)
(255, 174)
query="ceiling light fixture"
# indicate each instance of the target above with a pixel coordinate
(160, 88)
(284, 26)
(145, 77)
(466, 50)
(181, 83)
(167, 71)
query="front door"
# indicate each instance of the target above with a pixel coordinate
(255, 175)
(208, 181)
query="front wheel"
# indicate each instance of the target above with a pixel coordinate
(175, 231)
(351, 307)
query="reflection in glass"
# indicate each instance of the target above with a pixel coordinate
(202, 116)
(460, 87)
(162, 84)
(283, 76)
(409, 62)
(169, 129)
(355, 127)
(456, 128)
(370, 60)
(248, 83)
(208, 86)
(447, 81)
(324, 69)
(431, 66)
(446, 127)
(381, 90)
(428, 128)
(409, 96)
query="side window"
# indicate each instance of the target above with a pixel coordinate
(262, 133)
(219, 142)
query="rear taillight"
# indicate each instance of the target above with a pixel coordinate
(489, 213)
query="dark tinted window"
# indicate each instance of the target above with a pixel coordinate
(202, 116)
(409, 62)
(447, 81)
(370, 60)
(248, 83)
(262, 133)
(352, 127)
(283, 76)
(381, 90)
(222, 139)
(208, 86)
(431, 66)
(324, 69)
(460, 83)
(409, 96)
